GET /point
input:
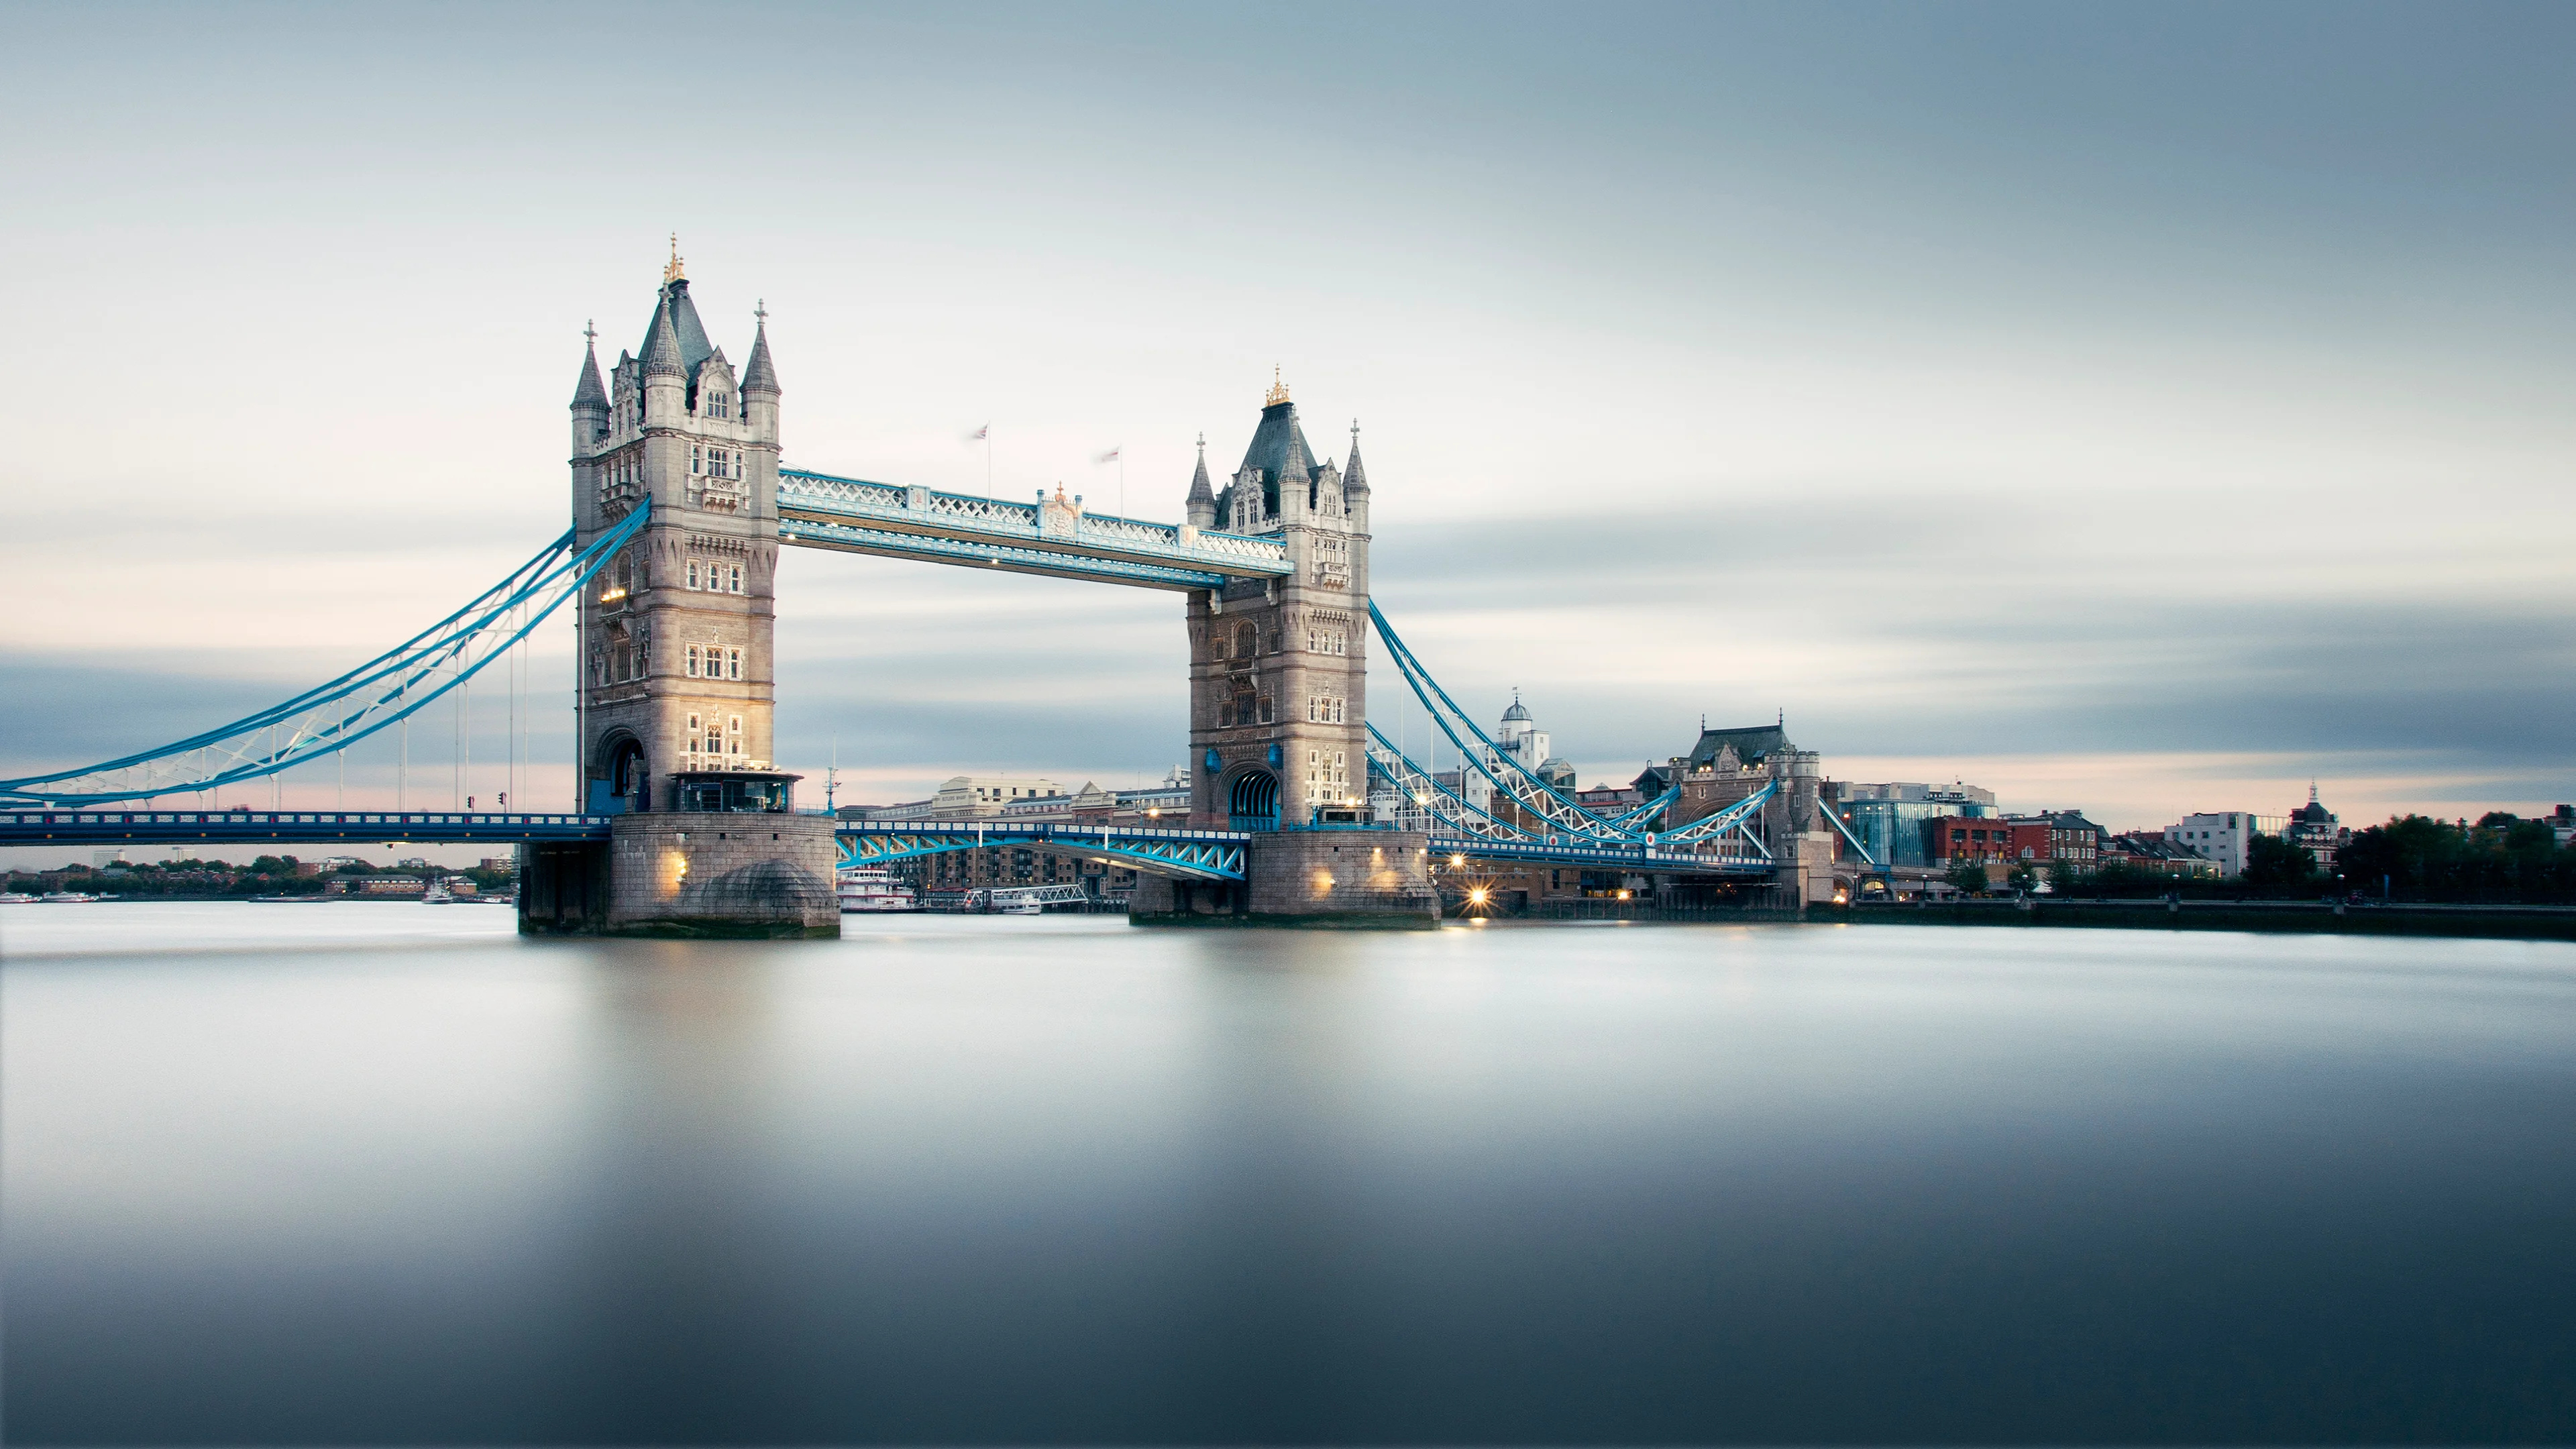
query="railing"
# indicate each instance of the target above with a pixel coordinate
(903, 509)
(19, 826)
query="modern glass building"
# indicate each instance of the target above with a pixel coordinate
(1888, 819)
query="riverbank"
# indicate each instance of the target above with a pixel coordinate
(2547, 923)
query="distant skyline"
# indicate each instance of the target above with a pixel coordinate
(2142, 410)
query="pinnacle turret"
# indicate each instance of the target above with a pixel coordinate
(589, 394)
(662, 344)
(1354, 477)
(759, 375)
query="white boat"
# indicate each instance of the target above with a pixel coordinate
(874, 888)
(67, 898)
(16, 898)
(437, 895)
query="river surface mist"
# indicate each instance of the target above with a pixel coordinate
(381, 1172)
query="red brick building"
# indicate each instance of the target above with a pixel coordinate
(1949, 839)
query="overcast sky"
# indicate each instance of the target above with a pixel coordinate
(2139, 409)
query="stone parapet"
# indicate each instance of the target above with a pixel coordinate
(724, 875)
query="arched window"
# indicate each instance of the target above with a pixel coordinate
(1246, 640)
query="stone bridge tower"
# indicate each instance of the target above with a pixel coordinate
(677, 680)
(1278, 668)
(1278, 695)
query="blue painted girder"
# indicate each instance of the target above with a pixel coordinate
(1623, 857)
(290, 827)
(1193, 854)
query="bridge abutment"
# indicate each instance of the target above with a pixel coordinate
(1365, 879)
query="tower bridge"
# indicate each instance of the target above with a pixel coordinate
(685, 824)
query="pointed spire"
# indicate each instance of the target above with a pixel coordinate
(1354, 477)
(1200, 492)
(1299, 465)
(588, 395)
(758, 375)
(662, 343)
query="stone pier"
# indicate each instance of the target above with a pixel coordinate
(1362, 879)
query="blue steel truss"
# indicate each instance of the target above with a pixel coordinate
(817, 510)
(333, 716)
(1194, 854)
(263, 827)
(1532, 795)
(1624, 857)
(1425, 801)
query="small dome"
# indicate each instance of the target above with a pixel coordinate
(1518, 713)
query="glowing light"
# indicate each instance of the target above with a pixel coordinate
(1477, 895)
(1457, 861)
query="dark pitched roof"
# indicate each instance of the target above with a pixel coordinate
(1279, 450)
(675, 341)
(588, 395)
(1355, 477)
(759, 375)
(694, 346)
(1752, 745)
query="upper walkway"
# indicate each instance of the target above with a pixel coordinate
(853, 515)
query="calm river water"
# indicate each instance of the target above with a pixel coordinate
(380, 1172)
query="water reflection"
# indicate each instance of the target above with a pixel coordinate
(326, 1176)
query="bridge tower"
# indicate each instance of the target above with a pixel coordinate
(1278, 691)
(677, 682)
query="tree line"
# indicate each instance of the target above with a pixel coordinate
(2501, 860)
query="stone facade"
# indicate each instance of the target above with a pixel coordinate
(1278, 668)
(676, 651)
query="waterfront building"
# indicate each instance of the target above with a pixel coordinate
(2314, 829)
(1609, 799)
(2072, 839)
(1950, 839)
(2224, 837)
(964, 797)
(2152, 852)
(1889, 817)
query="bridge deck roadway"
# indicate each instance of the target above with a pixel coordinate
(1199, 854)
(177, 827)
(1646, 858)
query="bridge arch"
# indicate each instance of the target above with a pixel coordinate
(628, 784)
(1252, 799)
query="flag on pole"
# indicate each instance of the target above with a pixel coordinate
(1109, 457)
(982, 434)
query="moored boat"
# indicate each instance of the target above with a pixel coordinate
(874, 888)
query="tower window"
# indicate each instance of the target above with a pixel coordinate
(733, 664)
(733, 578)
(733, 734)
(693, 574)
(697, 459)
(693, 661)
